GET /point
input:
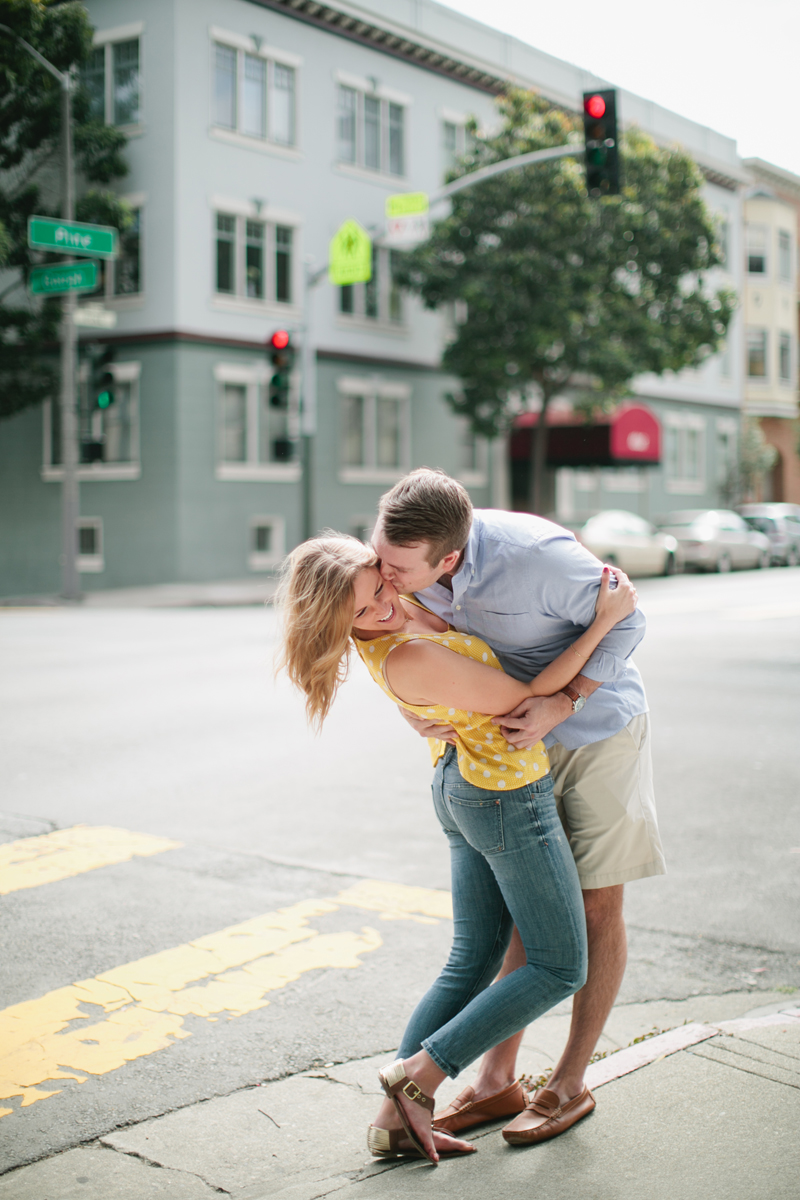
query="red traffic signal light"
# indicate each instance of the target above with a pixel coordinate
(279, 339)
(595, 106)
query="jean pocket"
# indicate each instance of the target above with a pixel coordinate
(479, 818)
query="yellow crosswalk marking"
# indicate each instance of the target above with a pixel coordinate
(30, 862)
(137, 1009)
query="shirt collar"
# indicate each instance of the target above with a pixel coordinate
(465, 573)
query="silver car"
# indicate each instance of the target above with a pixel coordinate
(781, 524)
(629, 542)
(717, 539)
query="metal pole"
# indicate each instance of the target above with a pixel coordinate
(307, 410)
(507, 164)
(70, 493)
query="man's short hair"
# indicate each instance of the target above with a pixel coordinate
(427, 506)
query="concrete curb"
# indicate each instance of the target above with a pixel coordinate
(614, 1066)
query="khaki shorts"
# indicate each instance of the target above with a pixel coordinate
(604, 794)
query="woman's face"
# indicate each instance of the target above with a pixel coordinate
(377, 608)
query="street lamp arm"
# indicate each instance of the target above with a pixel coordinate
(61, 76)
(506, 164)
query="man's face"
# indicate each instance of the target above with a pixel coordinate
(407, 567)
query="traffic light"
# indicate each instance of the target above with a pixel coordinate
(101, 382)
(602, 150)
(281, 355)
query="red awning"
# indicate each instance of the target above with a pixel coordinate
(628, 436)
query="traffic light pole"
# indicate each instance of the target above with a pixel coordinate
(308, 398)
(70, 495)
(70, 487)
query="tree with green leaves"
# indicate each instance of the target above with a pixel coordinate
(30, 182)
(565, 293)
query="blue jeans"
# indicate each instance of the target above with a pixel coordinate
(511, 865)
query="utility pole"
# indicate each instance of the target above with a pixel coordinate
(70, 495)
(308, 397)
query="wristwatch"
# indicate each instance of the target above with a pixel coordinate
(577, 699)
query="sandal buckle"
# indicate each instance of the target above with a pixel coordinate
(416, 1093)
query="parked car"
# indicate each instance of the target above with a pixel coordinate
(629, 542)
(717, 540)
(781, 524)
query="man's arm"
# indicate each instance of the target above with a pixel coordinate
(532, 720)
(572, 592)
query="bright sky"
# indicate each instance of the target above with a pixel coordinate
(731, 64)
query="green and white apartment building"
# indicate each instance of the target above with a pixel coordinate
(256, 128)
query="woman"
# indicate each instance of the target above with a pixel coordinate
(510, 861)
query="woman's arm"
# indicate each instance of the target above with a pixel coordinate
(423, 672)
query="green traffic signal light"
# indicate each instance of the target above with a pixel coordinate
(105, 399)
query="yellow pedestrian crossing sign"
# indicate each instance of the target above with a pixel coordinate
(350, 255)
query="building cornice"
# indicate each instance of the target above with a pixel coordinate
(392, 39)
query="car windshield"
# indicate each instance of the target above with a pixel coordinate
(762, 524)
(677, 520)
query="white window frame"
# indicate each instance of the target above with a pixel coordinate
(371, 88)
(372, 388)
(362, 525)
(477, 476)
(253, 377)
(267, 560)
(123, 372)
(751, 228)
(757, 380)
(787, 278)
(727, 428)
(785, 339)
(107, 38)
(91, 564)
(681, 484)
(459, 120)
(285, 311)
(382, 323)
(271, 55)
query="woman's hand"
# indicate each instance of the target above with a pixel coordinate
(613, 604)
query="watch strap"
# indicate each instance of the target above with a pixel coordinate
(572, 692)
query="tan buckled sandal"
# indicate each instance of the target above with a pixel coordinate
(393, 1081)
(385, 1143)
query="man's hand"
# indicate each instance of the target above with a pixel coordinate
(533, 719)
(429, 729)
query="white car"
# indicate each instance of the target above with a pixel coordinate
(630, 542)
(716, 539)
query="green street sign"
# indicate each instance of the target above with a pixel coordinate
(64, 277)
(72, 237)
(406, 204)
(350, 255)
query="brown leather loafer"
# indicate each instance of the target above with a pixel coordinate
(546, 1117)
(465, 1111)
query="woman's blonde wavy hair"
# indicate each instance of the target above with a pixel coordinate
(317, 595)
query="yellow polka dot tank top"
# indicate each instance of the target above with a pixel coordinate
(484, 757)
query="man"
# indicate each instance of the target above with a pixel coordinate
(528, 588)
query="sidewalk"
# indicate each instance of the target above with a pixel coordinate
(707, 1111)
(231, 593)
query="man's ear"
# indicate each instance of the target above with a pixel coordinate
(448, 562)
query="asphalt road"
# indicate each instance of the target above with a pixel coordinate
(168, 723)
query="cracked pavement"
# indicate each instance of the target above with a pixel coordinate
(174, 729)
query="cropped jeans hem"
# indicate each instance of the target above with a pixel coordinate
(511, 865)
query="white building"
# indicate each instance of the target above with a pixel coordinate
(256, 128)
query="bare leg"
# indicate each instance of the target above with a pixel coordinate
(608, 951)
(427, 1076)
(608, 954)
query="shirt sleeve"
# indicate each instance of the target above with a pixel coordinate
(566, 581)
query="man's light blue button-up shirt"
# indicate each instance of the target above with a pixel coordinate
(528, 588)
